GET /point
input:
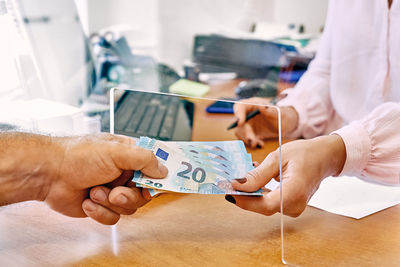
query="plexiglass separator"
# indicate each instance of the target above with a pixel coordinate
(112, 131)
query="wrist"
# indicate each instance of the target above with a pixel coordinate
(290, 120)
(28, 164)
(334, 154)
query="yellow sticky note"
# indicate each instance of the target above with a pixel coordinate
(189, 88)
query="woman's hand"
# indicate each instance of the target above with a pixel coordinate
(264, 125)
(305, 163)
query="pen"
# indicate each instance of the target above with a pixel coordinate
(248, 117)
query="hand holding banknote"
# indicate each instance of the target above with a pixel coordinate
(197, 167)
(305, 164)
(78, 176)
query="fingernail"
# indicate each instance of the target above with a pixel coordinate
(90, 206)
(163, 169)
(230, 199)
(241, 180)
(99, 195)
(121, 199)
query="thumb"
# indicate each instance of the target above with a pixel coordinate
(128, 157)
(260, 176)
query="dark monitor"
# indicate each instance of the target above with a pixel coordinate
(249, 58)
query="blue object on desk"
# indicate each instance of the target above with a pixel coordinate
(291, 76)
(220, 107)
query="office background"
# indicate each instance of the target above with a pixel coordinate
(171, 24)
(162, 29)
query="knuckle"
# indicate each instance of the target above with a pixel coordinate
(124, 139)
(252, 178)
(150, 156)
(131, 195)
(106, 136)
(146, 157)
(253, 175)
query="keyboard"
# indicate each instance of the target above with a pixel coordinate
(145, 114)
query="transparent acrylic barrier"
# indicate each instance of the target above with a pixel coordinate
(162, 121)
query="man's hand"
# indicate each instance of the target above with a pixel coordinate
(305, 163)
(264, 125)
(76, 176)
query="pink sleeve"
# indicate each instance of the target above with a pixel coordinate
(373, 145)
(311, 97)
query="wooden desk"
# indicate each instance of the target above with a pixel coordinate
(196, 230)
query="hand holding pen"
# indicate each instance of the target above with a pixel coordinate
(248, 117)
(251, 107)
(257, 121)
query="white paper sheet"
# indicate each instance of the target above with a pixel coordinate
(352, 197)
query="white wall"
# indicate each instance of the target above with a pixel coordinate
(138, 19)
(311, 13)
(204, 16)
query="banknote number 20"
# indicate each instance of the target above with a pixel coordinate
(151, 183)
(194, 173)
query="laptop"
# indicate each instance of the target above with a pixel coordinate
(155, 115)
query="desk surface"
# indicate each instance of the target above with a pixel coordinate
(196, 230)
